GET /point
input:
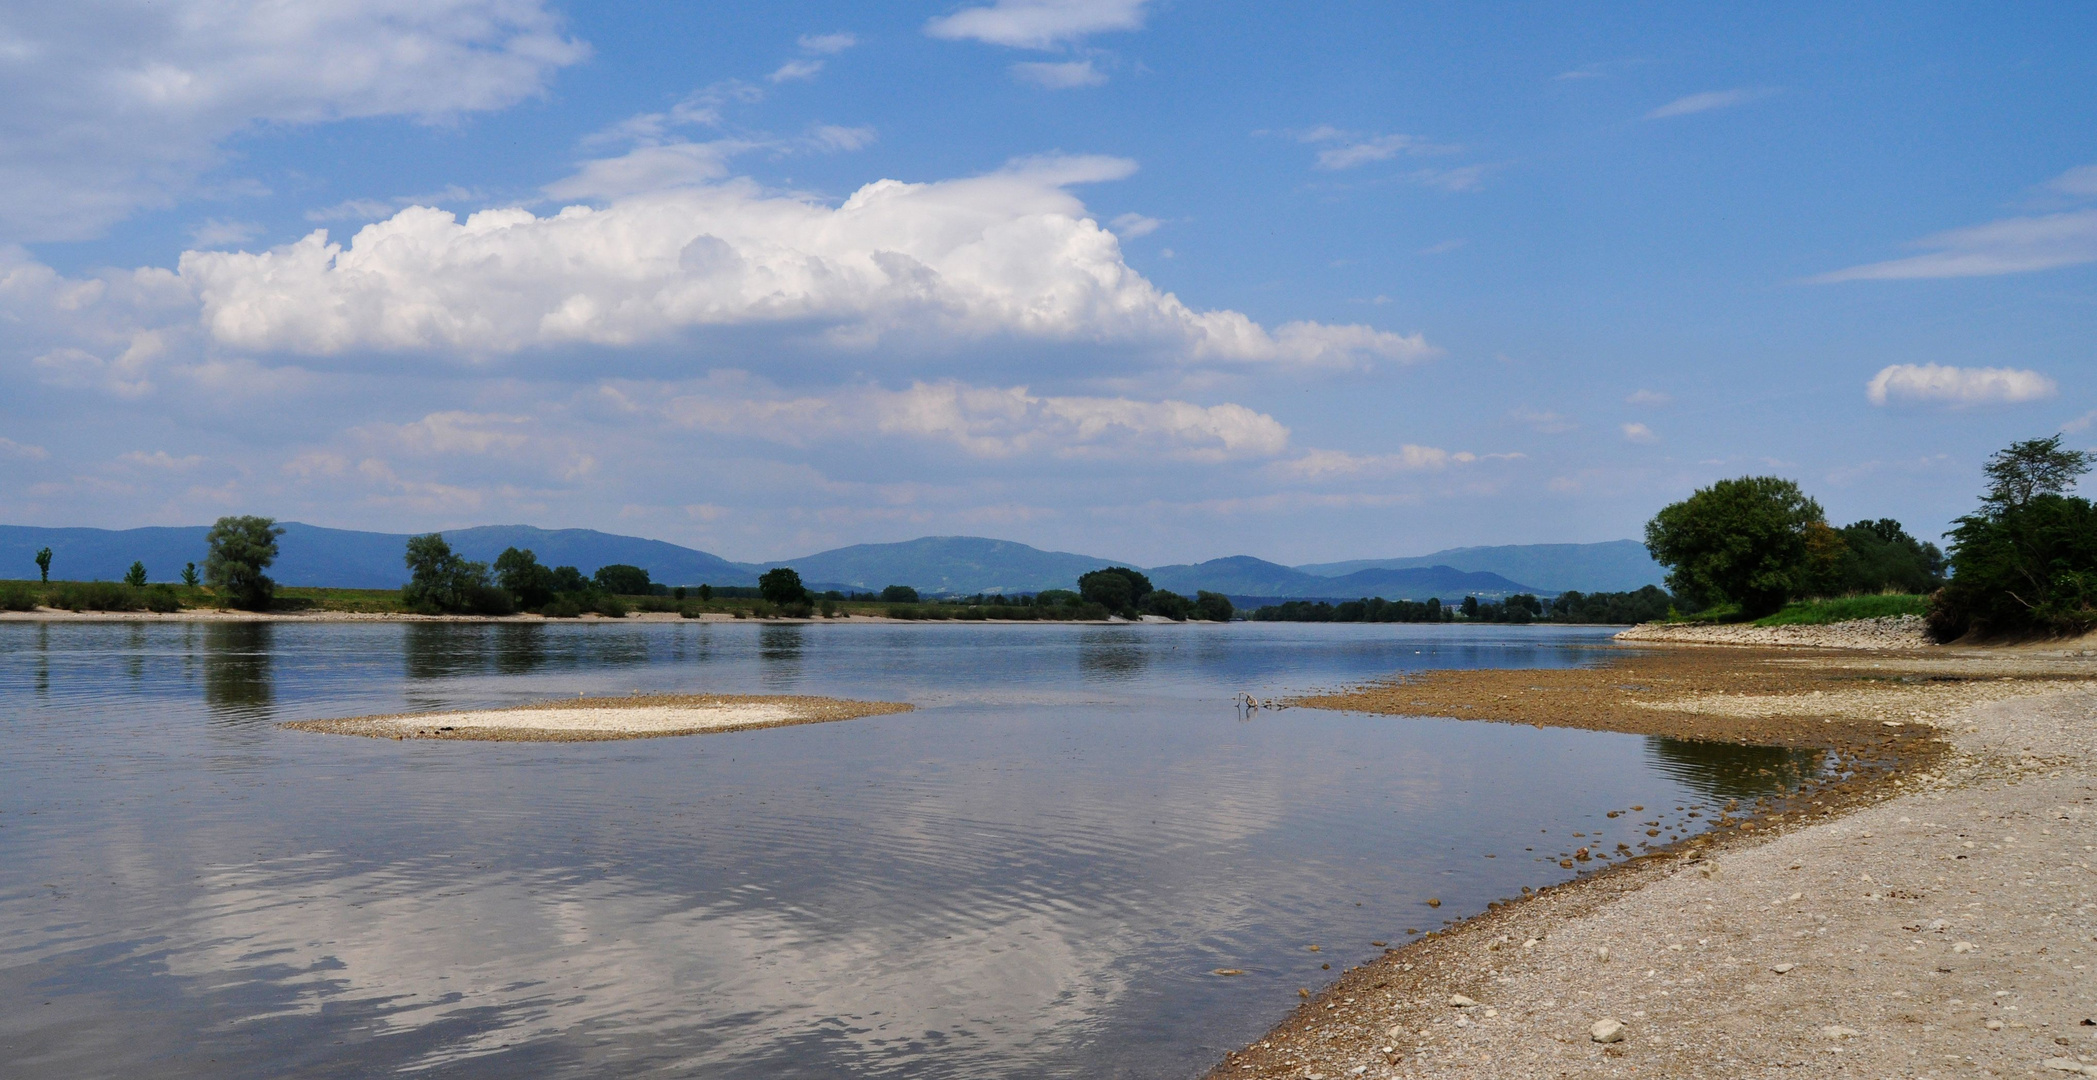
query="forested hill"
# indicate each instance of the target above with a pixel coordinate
(1245, 576)
(1615, 566)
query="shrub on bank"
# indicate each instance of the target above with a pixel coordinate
(14, 597)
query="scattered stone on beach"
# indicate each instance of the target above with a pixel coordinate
(1838, 1032)
(1972, 822)
(1458, 1001)
(1607, 1030)
(1782, 969)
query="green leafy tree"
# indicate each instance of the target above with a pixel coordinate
(1743, 541)
(2030, 469)
(43, 564)
(2027, 560)
(1880, 556)
(189, 575)
(1169, 604)
(620, 579)
(706, 592)
(899, 594)
(239, 550)
(136, 576)
(524, 577)
(782, 585)
(567, 579)
(1116, 588)
(1213, 607)
(440, 579)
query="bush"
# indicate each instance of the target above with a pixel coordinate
(1213, 607)
(1744, 540)
(562, 607)
(161, 599)
(899, 594)
(607, 605)
(97, 596)
(15, 597)
(241, 548)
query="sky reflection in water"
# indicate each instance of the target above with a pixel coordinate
(1032, 875)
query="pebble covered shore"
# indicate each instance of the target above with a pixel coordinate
(1900, 632)
(1937, 919)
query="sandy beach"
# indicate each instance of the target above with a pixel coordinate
(606, 718)
(1931, 916)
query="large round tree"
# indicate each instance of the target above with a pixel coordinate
(1744, 541)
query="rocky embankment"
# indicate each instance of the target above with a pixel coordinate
(1901, 632)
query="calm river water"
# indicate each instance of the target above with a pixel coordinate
(1033, 875)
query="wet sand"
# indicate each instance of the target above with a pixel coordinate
(1930, 915)
(599, 719)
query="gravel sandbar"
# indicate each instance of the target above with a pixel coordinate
(595, 719)
(1934, 917)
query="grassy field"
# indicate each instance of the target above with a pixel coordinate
(1846, 608)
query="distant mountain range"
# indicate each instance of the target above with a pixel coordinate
(940, 565)
(1613, 566)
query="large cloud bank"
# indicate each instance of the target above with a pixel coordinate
(1008, 254)
(123, 103)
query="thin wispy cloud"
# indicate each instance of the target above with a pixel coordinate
(796, 70)
(1461, 178)
(1639, 433)
(827, 44)
(1709, 100)
(2010, 246)
(1131, 226)
(1650, 398)
(1939, 384)
(1068, 75)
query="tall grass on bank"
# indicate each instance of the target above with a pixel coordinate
(1847, 608)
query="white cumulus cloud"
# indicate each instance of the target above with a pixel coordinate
(1038, 24)
(1008, 254)
(1944, 385)
(122, 104)
(1639, 433)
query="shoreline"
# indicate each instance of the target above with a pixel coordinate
(1852, 924)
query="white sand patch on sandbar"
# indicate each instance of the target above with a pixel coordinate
(653, 719)
(584, 719)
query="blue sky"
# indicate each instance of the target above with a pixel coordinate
(1159, 281)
